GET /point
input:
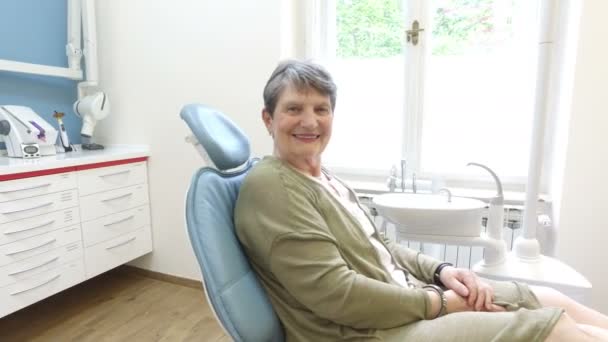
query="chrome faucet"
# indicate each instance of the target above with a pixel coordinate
(448, 192)
(403, 165)
(393, 178)
(414, 182)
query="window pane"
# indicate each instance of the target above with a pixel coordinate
(479, 86)
(368, 68)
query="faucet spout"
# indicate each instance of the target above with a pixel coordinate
(448, 192)
(403, 166)
(392, 179)
(414, 188)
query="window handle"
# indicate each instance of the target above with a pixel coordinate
(412, 35)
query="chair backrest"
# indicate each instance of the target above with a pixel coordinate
(239, 302)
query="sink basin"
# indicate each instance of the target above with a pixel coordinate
(430, 214)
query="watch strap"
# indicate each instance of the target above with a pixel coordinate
(436, 278)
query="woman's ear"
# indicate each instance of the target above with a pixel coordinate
(267, 120)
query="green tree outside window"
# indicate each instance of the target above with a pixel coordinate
(375, 28)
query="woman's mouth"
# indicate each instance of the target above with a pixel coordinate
(306, 137)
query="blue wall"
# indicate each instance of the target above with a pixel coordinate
(35, 31)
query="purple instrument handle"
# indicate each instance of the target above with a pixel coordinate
(41, 136)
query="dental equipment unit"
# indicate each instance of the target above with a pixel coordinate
(25, 133)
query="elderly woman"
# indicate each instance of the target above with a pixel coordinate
(329, 274)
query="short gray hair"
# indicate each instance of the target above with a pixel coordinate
(303, 75)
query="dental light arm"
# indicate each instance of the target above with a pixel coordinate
(92, 104)
(91, 109)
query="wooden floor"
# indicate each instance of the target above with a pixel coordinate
(117, 306)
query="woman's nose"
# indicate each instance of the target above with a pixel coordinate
(309, 119)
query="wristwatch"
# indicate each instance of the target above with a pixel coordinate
(436, 278)
(444, 300)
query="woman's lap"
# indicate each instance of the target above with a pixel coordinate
(525, 320)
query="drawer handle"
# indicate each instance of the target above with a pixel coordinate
(32, 208)
(36, 286)
(119, 221)
(122, 243)
(34, 267)
(32, 248)
(115, 173)
(117, 197)
(30, 228)
(27, 188)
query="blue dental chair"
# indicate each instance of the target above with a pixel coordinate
(238, 300)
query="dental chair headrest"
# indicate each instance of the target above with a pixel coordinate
(225, 144)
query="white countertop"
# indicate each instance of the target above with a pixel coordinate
(80, 157)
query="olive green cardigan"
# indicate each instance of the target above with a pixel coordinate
(323, 275)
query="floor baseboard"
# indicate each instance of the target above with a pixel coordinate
(161, 276)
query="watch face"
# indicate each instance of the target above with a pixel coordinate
(31, 149)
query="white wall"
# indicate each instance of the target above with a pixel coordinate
(156, 56)
(583, 227)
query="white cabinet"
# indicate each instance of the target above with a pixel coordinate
(111, 253)
(29, 207)
(68, 224)
(32, 289)
(114, 225)
(107, 178)
(36, 186)
(115, 213)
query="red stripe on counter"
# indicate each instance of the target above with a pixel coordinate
(29, 174)
(110, 163)
(47, 172)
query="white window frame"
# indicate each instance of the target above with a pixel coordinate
(318, 28)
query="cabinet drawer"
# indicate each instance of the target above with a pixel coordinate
(110, 202)
(21, 229)
(109, 254)
(34, 245)
(113, 225)
(28, 207)
(26, 268)
(112, 177)
(28, 291)
(36, 186)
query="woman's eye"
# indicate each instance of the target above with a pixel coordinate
(323, 111)
(292, 109)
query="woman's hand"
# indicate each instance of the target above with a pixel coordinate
(458, 303)
(478, 293)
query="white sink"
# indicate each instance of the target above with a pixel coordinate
(429, 214)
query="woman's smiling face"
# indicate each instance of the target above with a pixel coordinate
(300, 125)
